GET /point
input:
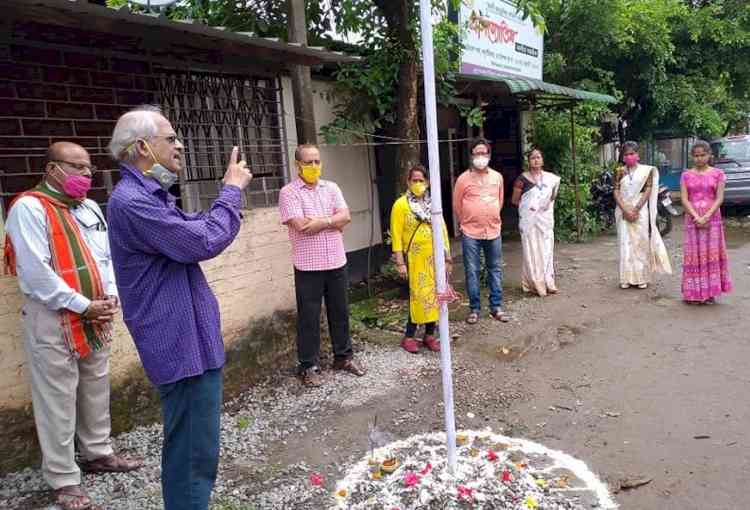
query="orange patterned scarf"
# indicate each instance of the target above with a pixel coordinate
(73, 262)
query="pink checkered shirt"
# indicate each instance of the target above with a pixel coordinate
(313, 252)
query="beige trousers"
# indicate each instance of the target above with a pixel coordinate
(70, 397)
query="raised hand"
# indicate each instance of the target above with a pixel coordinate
(237, 173)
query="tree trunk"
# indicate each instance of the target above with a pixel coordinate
(398, 14)
(408, 117)
(301, 79)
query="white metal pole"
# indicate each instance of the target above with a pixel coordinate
(425, 17)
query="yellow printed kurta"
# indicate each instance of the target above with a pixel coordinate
(423, 304)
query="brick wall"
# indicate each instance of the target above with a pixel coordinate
(49, 94)
(65, 84)
(252, 279)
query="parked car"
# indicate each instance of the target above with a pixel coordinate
(732, 154)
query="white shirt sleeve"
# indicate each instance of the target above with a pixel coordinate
(27, 227)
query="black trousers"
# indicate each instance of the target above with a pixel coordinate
(411, 328)
(311, 288)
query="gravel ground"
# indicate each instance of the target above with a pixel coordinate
(268, 432)
(251, 425)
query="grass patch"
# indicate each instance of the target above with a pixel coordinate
(384, 311)
(226, 504)
(243, 422)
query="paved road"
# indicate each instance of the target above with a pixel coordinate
(647, 387)
(635, 383)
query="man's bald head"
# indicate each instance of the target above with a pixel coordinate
(62, 151)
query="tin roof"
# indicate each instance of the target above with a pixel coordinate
(516, 85)
(82, 14)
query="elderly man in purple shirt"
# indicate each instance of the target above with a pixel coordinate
(167, 304)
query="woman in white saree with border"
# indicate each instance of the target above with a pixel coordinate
(534, 193)
(642, 250)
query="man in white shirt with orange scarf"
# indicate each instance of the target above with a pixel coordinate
(57, 246)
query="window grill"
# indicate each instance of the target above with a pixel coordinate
(214, 112)
(51, 92)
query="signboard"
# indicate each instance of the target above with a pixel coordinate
(498, 41)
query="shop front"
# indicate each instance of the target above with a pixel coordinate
(501, 72)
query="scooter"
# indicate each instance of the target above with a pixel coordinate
(603, 199)
(664, 211)
(604, 205)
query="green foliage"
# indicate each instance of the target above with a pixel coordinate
(474, 116)
(675, 64)
(367, 92)
(366, 96)
(228, 504)
(243, 422)
(552, 135)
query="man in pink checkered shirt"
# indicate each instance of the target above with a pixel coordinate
(316, 213)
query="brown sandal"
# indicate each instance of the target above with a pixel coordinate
(311, 377)
(73, 497)
(110, 464)
(473, 318)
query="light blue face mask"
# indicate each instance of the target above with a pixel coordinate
(159, 173)
(164, 177)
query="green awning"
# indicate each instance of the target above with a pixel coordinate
(539, 89)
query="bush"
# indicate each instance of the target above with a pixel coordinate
(551, 133)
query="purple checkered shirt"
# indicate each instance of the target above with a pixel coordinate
(167, 304)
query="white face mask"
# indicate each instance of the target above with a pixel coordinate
(480, 162)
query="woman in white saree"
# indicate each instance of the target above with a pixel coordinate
(534, 193)
(642, 250)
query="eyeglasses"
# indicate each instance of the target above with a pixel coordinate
(171, 139)
(81, 167)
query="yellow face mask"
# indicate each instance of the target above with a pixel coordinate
(310, 173)
(418, 188)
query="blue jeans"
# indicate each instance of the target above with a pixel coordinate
(493, 257)
(191, 410)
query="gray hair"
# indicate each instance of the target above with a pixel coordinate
(138, 123)
(300, 148)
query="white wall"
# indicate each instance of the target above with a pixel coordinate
(252, 279)
(346, 165)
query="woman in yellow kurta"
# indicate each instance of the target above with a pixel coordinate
(411, 238)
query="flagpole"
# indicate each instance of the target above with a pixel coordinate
(425, 17)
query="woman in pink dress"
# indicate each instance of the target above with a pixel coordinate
(705, 268)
